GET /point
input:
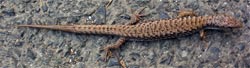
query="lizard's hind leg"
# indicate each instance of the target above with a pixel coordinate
(108, 51)
(117, 45)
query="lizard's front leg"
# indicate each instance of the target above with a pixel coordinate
(185, 13)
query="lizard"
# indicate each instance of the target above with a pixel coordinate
(153, 29)
(164, 28)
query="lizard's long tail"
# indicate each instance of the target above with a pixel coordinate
(87, 29)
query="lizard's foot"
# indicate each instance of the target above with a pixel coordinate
(203, 39)
(108, 50)
(109, 55)
(202, 34)
(122, 63)
(185, 13)
(136, 16)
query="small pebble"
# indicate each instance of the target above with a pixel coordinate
(135, 56)
(134, 66)
(1, 1)
(247, 60)
(200, 66)
(240, 47)
(80, 65)
(248, 24)
(163, 15)
(184, 53)
(101, 10)
(73, 19)
(215, 54)
(166, 60)
(113, 62)
(126, 16)
(216, 65)
(214, 50)
(142, 1)
(31, 54)
(9, 12)
(45, 8)
(19, 43)
(213, 57)
(26, 1)
(1, 17)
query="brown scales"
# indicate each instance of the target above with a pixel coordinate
(165, 28)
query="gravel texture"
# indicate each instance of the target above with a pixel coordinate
(32, 48)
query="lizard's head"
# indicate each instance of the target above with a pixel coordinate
(225, 21)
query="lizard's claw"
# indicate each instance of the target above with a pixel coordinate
(138, 14)
(108, 53)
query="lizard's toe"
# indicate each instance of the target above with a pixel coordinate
(108, 53)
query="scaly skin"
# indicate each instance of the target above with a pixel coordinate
(165, 28)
